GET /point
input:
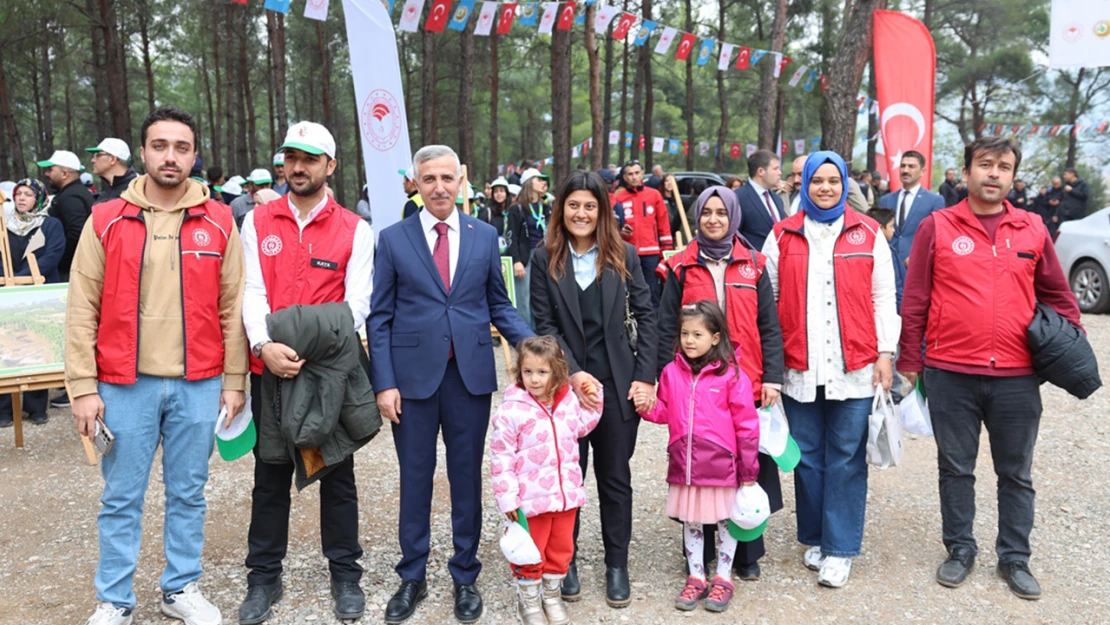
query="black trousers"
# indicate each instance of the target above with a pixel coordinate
(614, 442)
(33, 402)
(1010, 408)
(268, 537)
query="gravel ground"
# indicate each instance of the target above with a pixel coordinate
(50, 501)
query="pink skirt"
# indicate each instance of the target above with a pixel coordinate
(700, 504)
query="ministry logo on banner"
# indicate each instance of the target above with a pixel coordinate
(462, 15)
(1079, 34)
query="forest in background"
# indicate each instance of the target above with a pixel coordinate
(75, 71)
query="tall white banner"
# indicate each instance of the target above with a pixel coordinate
(383, 127)
(1080, 35)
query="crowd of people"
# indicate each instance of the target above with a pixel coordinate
(790, 292)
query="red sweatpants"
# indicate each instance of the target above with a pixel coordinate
(553, 533)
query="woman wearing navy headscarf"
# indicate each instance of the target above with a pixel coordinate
(834, 282)
(720, 265)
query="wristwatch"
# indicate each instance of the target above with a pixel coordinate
(257, 349)
(887, 355)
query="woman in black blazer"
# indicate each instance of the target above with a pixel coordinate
(581, 280)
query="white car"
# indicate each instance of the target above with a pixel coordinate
(1084, 249)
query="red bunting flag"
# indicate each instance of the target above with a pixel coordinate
(734, 150)
(783, 60)
(744, 58)
(1101, 127)
(685, 46)
(239, 1)
(508, 12)
(623, 26)
(685, 147)
(566, 16)
(437, 16)
(785, 147)
(824, 83)
(641, 142)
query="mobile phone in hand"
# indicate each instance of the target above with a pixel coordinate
(103, 438)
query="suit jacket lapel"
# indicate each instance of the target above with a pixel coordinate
(414, 228)
(609, 294)
(467, 236)
(568, 288)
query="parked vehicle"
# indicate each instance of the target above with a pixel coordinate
(1084, 249)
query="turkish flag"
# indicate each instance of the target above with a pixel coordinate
(685, 46)
(566, 16)
(623, 26)
(744, 58)
(734, 150)
(785, 147)
(437, 17)
(905, 78)
(641, 142)
(508, 12)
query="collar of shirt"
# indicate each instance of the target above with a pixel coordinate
(585, 265)
(911, 192)
(428, 221)
(759, 190)
(311, 214)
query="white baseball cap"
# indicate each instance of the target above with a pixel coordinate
(532, 172)
(518, 547)
(62, 158)
(115, 147)
(260, 176)
(236, 179)
(749, 514)
(514, 189)
(232, 188)
(310, 137)
(85, 178)
(279, 158)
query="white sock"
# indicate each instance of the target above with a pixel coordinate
(726, 550)
(695, 548)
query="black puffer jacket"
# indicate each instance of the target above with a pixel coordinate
(1061, 353)
(328, 411)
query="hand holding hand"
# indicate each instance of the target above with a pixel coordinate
(642, 395)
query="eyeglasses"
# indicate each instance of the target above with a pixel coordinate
(97, 155)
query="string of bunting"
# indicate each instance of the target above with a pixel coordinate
(1044, 130)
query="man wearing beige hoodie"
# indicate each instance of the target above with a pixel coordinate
(155, 348)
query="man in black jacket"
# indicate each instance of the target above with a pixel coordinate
(111, 160)
(948, 188)
(72, 201)
(1019, 197)
(1073, 203)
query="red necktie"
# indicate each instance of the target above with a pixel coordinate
(771, 207)
(441, 254)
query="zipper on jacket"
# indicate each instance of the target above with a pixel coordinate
(181, 277)
(139, 295)
(690, 429)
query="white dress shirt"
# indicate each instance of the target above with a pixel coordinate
(912, 195)
(357, 284)
(825, 357)
(764, 199)
(428, 222)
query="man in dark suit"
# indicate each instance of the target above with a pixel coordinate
(911, 204)
(760, 206)
(437, 288)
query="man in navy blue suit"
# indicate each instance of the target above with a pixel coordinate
(911, 204)
(760, 204)
(437, 288)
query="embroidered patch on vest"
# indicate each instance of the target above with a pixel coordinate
(963, 245)
(747, 271)
(201, 238)
(271, 245)
(856, 236)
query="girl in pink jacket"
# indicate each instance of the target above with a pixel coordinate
(534, 464)
(706, 400)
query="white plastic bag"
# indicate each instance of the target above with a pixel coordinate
(884, 436)
(518, 547)
(915, 414)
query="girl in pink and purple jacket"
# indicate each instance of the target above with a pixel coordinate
(706, 400)
(534, 465)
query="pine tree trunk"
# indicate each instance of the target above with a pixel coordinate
(560, 102)
(229, 91)
(246, 102)
(271, 121)
(115, 71)
(494, 96)
(15, 146)
(144, 33)
(36, 98)
(329, 119)
(606, 151)
(217, 121)
(100, 78)
(839, 107)
(213, 155)
(466, 101)
(279, 75)
(596, 117)
(428, 89)
(47, 91)
(722, 98)
(624, 106)
(770, 87)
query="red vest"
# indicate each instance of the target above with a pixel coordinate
(853, 261)
(741, 299)
(306, 267)
(202, 239)
(982, 297)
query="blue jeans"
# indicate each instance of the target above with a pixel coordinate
(830, 482)
(181, 415)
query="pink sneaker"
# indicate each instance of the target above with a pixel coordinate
(719, 595)
(688, 599)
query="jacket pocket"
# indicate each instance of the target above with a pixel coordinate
(404, 339)
(713, 464)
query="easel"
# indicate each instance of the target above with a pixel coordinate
(681, 215)
(17, 385)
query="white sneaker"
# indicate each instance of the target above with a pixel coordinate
(813, 559)
(108, 614)
(191, 606)
(834, 572)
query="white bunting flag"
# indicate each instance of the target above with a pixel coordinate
(778, 63)
(874, 108)
(603, 17)
(547, 21)
(410, 16)
(726, 56)
(797, 77)
(657, 144)
(574, 152)
(703, 148)
(380, 96)
(799, 146)
(486, 19)
(751, 149)
(665, 40)
(316, 9)
(614, 137)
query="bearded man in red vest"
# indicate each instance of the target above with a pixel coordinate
(154, 348)
(303, 248)
(976, 273)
